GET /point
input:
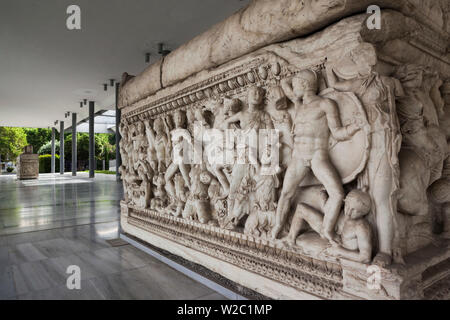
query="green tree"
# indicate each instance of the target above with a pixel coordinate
(37, 137)
(103, 149)
(107, 149)
(47, 148)
(12, 142)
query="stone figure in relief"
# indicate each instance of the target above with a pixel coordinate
(129, 177)
(251, 120)
(262, 214)
(181, 196)
(381, 176)
(282, 121)
(127, 181)
(200, 127)
(316, 118)
(152, 158)
(160, 199)
(418, 113)
(158, 145)
(424, 144)
(190, 120)
(126, 147)
(178, 137)
(221, 109)
(355, 242)
(198, 205)
(145, 174)
(139, 142)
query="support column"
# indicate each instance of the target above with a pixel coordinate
(53, 163)
(61, 147)
(74, 144)
(91, 140)
(118, 137)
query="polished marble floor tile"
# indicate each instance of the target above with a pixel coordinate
(7, 288)
(59, 221)
(86, 292)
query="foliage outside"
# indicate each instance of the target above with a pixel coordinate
(45, 163)
(12, 142)
(37, 137)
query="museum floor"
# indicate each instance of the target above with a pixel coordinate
(58, 221)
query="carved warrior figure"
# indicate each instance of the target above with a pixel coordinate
(178, 137)
(221, 109)
(282, 121)
(316, 117)
(139, 142)
(126, 147)
(418, 113)
(355, 241)
(158, 145)
(261, 219)
(251, 120)
(381, 176)
(424, 146)
(181, 196)
(198, 205)
(145, 174)
(160, 198)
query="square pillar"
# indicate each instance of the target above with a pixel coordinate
(61, 147)
(91, 140)
(53, 163)
(74, 144)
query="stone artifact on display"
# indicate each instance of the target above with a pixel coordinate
(299, 152)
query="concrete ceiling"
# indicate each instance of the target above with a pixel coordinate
(46, 69)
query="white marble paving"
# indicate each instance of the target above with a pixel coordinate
(58, 221)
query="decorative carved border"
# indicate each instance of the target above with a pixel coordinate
(258, 71)
(232, 79)
(318, 277)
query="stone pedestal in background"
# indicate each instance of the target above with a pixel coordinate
(28, 165)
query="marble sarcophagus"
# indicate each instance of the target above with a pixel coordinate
(300, 149)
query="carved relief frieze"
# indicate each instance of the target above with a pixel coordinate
(286, 168)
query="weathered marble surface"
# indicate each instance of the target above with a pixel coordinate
(362, 177)
(248, 30)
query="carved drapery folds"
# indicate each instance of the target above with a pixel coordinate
(349, 160)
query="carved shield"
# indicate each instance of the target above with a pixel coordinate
(349, 157)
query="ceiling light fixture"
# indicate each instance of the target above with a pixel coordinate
(161, 50)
